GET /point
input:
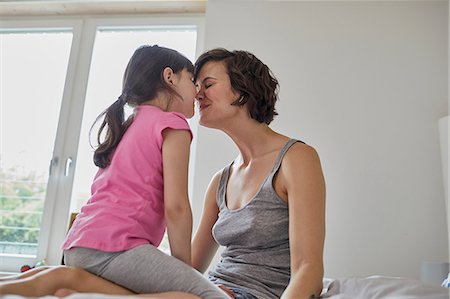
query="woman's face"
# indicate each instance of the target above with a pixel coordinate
(186, 89)
(215, 95)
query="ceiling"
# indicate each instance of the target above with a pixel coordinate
(98, 7)
(117, 7)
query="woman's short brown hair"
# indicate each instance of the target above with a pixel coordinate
(250, 77)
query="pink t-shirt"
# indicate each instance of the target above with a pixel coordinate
(126, 208)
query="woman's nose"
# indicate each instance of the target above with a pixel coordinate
(199, 95)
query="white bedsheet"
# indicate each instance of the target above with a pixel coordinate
(373, 287)
(383, 287)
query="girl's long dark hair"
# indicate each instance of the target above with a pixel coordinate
(142, 80)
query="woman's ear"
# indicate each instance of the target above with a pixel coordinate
(168, 75)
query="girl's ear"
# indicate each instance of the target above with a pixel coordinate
(168, 75)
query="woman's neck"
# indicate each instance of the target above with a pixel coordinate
(254, 139)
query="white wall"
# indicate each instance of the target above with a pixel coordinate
(364, 83)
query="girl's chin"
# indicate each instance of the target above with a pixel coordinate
(190, 115)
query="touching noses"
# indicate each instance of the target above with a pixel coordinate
(199, 95)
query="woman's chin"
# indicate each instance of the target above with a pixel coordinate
(208, 125)
(203, 121)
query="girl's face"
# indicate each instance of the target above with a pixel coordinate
(186, 89)
(215, 95)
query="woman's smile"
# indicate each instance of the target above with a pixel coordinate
(203, 106)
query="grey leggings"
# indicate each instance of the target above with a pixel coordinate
(144, 269)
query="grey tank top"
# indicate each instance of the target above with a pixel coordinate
(256, 257)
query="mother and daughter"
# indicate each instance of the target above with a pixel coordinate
(267, 207)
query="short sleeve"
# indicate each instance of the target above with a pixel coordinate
(174, 120)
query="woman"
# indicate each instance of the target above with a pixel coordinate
(267, 207)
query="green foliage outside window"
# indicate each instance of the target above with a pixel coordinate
(22, 198)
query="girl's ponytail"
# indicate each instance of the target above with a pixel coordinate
(113, 120)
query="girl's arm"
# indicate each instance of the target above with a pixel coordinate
(177, 210)
(302, 177)
(204, 246)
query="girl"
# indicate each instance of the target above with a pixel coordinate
(139, 189)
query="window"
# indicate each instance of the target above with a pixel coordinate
(54, 81)
(32, 82)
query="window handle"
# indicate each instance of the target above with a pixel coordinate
(53, 162)
(68, 165)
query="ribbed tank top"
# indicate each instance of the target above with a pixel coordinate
(256, 257)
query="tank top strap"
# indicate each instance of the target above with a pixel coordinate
(222, 188)
(280, 157)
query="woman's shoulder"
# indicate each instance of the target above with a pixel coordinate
(300, 154)
(215, 179)
(301, 170)
(218, 175)
(300, 146)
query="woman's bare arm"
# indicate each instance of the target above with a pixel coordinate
(204, 246)
(305, 187)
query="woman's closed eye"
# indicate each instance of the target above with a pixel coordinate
(206, 86)
(209, 83)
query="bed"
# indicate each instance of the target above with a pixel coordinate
(371, 287)
(382, 287)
